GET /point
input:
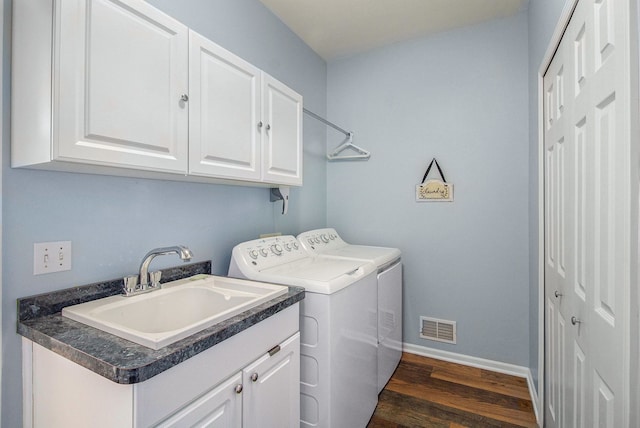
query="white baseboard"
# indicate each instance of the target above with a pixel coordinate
(481, 363)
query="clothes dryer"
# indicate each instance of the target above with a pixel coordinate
(327, 243)
(338, 362)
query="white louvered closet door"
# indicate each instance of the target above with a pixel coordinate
(587, 219)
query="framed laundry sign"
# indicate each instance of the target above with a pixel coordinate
(434, 190)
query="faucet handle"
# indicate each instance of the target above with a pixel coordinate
(130, 284)
(154, 279)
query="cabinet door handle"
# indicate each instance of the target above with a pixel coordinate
(557, 294)
(184, 97)
(268, 127)
(575, 320)
(238, 388)
(273, 351)
(260, 124)
(254, 377)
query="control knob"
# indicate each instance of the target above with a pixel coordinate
(287, 246)
(264, 252)
(316, 240)
(253, 254)
(277, 249)
(324, 238)
(295, 245)
(332, 236)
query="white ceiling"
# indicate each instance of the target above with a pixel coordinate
(341, 28)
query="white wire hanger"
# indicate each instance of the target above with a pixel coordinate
(347, 144)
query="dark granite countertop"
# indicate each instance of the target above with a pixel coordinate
(119, 360)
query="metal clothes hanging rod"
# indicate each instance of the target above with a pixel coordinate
(326, 122)
(346, 144)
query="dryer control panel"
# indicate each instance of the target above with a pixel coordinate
(320, 240)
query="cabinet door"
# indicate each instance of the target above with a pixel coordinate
(272, 387)
(282, 133)
(122, 71)
(224, 112)
(221, 407)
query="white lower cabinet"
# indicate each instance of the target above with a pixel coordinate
(220, 407)
(271, 395)
(249, 380)
(262, 395)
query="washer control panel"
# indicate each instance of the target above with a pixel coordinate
(267, 252)
(320, 240)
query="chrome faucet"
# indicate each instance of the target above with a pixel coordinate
(131, 284)
(181, 250)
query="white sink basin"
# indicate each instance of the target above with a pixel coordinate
(180, 309)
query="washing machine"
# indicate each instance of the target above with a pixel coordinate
(338, 350)
(327, 243)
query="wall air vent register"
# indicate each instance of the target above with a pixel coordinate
(438, 330)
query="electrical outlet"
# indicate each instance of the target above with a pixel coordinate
(49, 257)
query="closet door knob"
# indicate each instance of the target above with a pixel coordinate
(268, 127)
(260, 124)
(184, 97)
(254, 377)
(238, 388)
(557, 294)
(575, 320)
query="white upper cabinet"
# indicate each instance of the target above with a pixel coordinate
(282, 133)
(119, 71)
(122, 72)
(243, 123)
(225, 110)
(118, 87)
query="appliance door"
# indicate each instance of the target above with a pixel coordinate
(389, 322)
(318, 274)
(380, 256)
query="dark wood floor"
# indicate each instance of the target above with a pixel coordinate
(425, 392)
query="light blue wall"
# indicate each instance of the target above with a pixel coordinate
(113, 221)
(543, 16)
(460, 96)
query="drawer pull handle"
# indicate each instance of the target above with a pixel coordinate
(273, 351)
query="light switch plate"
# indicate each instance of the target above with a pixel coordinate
(49, 257)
